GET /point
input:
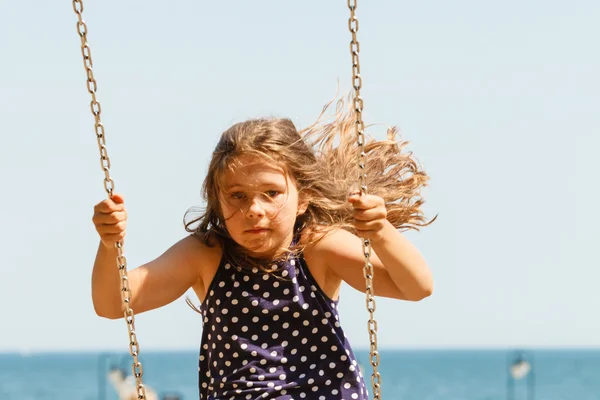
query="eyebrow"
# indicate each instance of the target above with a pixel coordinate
(259, 185)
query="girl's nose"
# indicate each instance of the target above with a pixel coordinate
(256, 209)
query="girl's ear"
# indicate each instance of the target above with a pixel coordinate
(303, 202)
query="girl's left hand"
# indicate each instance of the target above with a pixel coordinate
(370, 216)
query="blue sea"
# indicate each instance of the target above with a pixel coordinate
(406, 375)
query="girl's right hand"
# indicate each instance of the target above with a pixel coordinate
(110, 219)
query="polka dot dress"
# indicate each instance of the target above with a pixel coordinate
(274, 336)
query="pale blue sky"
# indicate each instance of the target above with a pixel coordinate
(500, 103)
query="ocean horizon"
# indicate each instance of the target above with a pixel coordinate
(407, 374)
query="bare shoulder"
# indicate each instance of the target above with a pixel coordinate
(204, 260)
(184, 265)
(339, 257)
(318, 256)
(334, 242)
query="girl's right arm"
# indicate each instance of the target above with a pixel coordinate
(152, 285)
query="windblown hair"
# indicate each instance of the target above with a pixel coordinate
(322, 161)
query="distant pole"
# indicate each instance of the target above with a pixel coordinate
(520, 367)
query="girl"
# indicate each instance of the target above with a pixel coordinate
(268, 254)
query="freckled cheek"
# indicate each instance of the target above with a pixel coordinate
(229, 210)
(284, 217)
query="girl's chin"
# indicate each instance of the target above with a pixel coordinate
(259, 248)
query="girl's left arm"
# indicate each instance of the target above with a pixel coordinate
(400, 271)
(401, 259)
(405, 264)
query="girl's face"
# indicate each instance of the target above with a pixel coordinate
(260, 205)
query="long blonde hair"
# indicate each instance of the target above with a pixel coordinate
(322, 161)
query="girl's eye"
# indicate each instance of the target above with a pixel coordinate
(237, 195)
(272, 193)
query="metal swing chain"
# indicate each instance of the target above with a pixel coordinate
(362, 161)
(109, 185)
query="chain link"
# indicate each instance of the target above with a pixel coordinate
(362, 161)
(109, 185)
